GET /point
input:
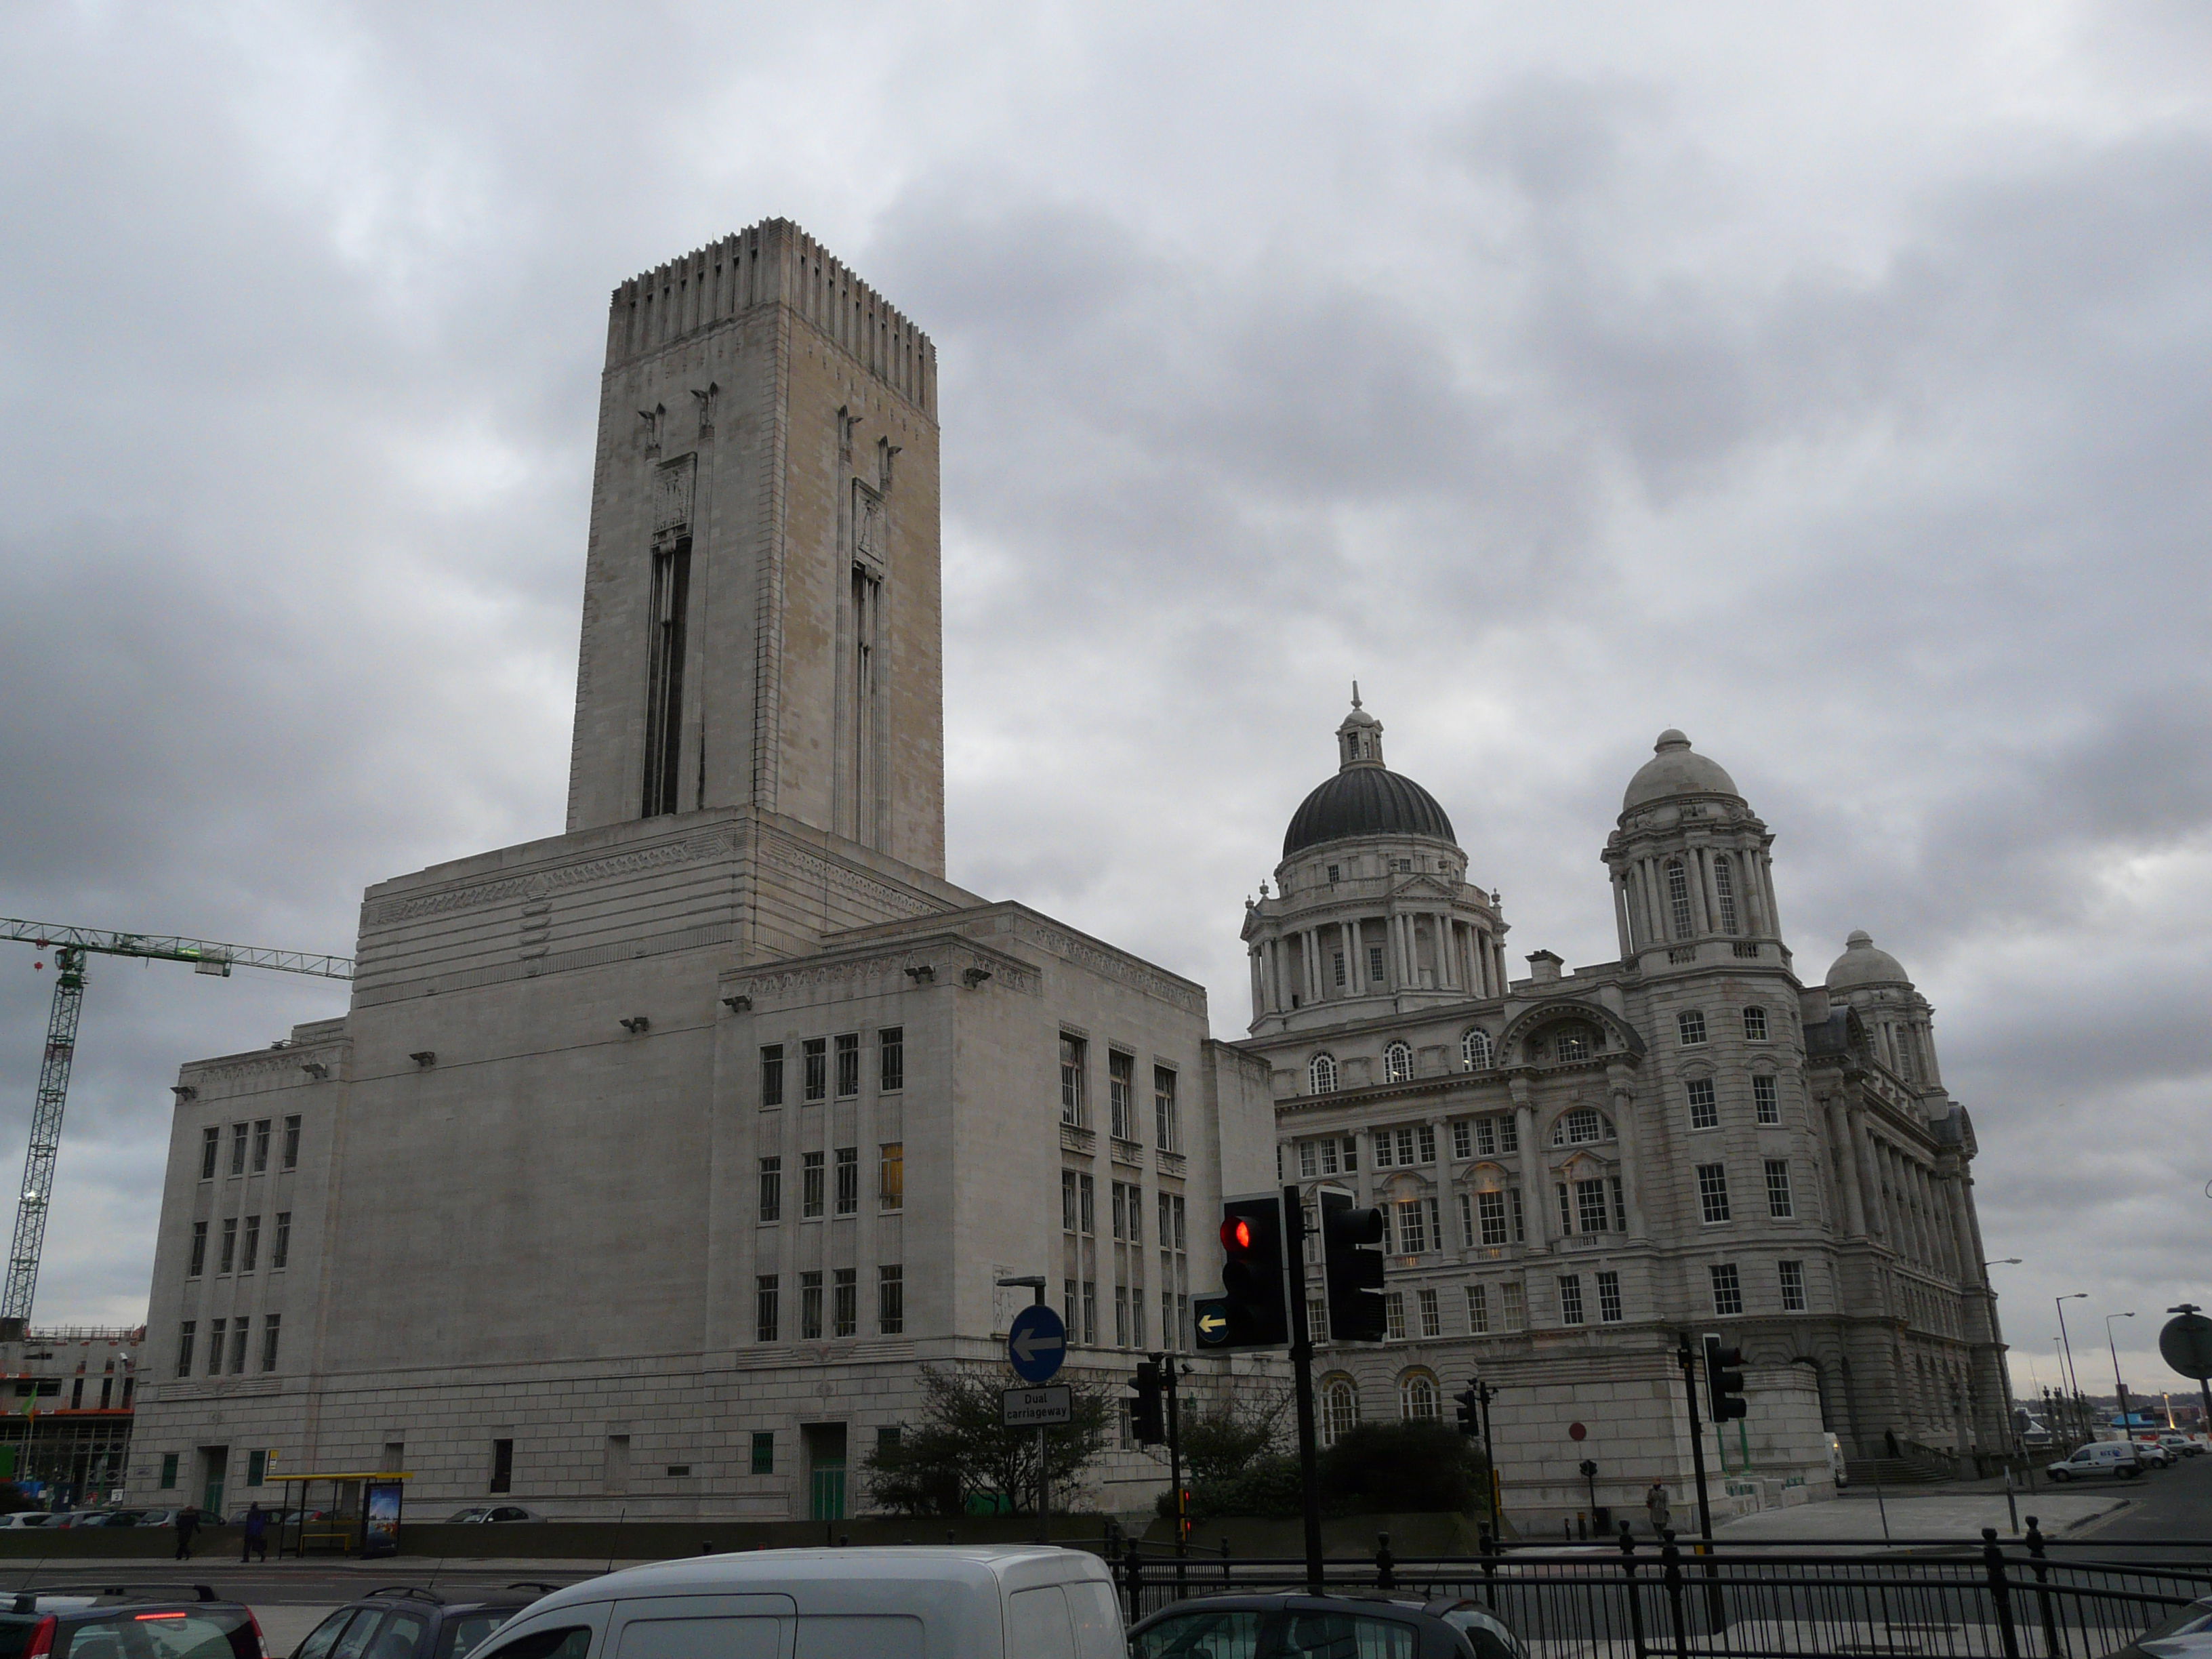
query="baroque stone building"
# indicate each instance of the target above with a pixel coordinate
(1578, 1168)
(652, 1159)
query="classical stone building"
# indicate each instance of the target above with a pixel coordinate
(1580, 1167)
(652, 1159)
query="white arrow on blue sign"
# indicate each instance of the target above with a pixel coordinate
(1036, 1343)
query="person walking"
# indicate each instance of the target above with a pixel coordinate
(188, 1522)
(1655, 1506)
(255, 1541)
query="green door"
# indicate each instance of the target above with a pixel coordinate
(214, 1464)
(828, 1492)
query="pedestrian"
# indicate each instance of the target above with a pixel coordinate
(188, 1522)
(256, 1534)
(1655, 1505)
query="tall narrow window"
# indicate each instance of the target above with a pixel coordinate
(250, 1245)
(810, 1184)
(1513, 1304)
(771, 1189)
(1754, 1024)
(891, 1059)
(867, 593)
(1570, 1299)
(664, 696)
(849, 1181)
(502, 1466)
(845, 1303)
(239, 1133)
(1478, 1309)
(1491, 1208)
(891, 1188)
(1122, 1094)
(890, 1300)
(1678, 897)
(1374, 962)
(771, 1062)
(1712, 1192)
(1167, 1126)
(1793, 1285)
(1764, 1100)
(211, 1145)
(292, 1143)
(271, 1329)
(1398, 1063)
(198, 1263)
(238, 1330)
(814, 1054)
(1727, 1289)
(1724, 891)
(229, 1245)
(849, 1065)
(1705, 1104)
(261, 1129)
(1779, 1203)
(810, 1307)
(186, 1333)
(1071, 1079)
(1432, 1318)
(1320, 1074)
(765, 1308)
(280, 1240)
(1475, 1049)
(1609, 1298)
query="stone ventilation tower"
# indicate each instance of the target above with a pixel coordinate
(1692, 880)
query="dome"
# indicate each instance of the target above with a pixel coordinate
(1861, 963)
(1676, 769)
(1365, 800)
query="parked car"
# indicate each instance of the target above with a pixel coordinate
(403, 1622)
(2113, 1457)
(2181, 1445)
(2187, 1634)
(950, 1602)
(192, 1622)
(1383, 1625)
(2157, 1455)
(29, 1518)
(481, 1513)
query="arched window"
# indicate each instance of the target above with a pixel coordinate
(1398, 1063)
(1570, 1040)
(1320, 1074)
(1678, 897)
(1417, 1397)
(1582, 1127)
(1339, 1409)
(1724, 891)
(1475, 1049)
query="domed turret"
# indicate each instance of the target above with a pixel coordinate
(1676, 769)
(1898, 1022)
(1863, 963)
(1364, 798)
(1689, 862)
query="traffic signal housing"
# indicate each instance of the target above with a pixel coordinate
(1254, 1311)
(1469, 1400)
(1352, 1269)
(1148, 1416)
(1725, 1382)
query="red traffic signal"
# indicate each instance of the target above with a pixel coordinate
(1236, 1234)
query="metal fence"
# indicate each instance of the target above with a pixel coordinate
(2034, 1599)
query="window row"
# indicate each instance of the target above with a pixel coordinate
(1713, 1204)
(1079, 1211)
(1124, 1117)
(1728, 1286)
(815, 1181)
(1701, 1092)
(240, 1246)
(816, 1072)
(843, 1307)
(1681, 912)
(229, 1342)
(249, 1146)
(1079, 1309)
(1690, 1029)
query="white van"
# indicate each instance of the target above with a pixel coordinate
(2098, 1457)
(940, 1601)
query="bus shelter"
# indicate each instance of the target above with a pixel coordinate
(344, 1512)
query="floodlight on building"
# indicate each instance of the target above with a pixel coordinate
(739, 1005)
(972, 977)
(636, 1024)
(426, 1058)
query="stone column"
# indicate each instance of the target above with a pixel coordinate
(1846, 1166)
(1621, 917)
(1536, 1201)
(1632, 1162)
(1862, 1152)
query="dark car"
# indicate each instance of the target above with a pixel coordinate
(403, 1622)
(126, 1622)
(1378, 1626)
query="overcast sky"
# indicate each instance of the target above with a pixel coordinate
(1833, 382)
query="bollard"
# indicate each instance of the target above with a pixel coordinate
(1385, 1578)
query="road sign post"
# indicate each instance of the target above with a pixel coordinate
(2185, 1344)
(1036, 1343)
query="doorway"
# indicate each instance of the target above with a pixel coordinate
(214, 1464)
(825, 1470)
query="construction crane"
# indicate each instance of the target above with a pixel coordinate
(71, 946)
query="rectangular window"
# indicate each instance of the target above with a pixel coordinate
(1486, 1137)
(1619, 1204)
(1067, 1210)
(763, 1451)
(849, 1181)
(1394, 1315)
(814, 1067)
(1690, 1028)
(1508, 1134)
(663, 702)
(891, 1175)
(1375, 964)
(1432, 1318)
(1520, 1221)
(1793, 1285)
(1167, 1121)
(1592, 1212)
(1338, 963)
(1121, 1211)
(1122, 1094)
(1412, 1229)
(229, 1255)
(238, 1135)
(810, 1185)
(1121, 1316)
(210, 1149)
(1309, 1160)
(1754, 1024)
(197, 1265)
(1179, 1214)
(279, 1241)
(1727, 1289)
(1764, 1100)
(890, 1300)
(1428, 1139)
(1566, 1208)
(292, 1143)
(1513, 1305)
(1090, 1310)
(766, 1310)
(1779, 1203)
(1382, 1143)
(1478, 1309)
(1136, 1213)
(169, 1471)
(261, 1129)
(1071, 1079)
(1491, 1206)
(891, 1060)
(1462, 1139)
(810, 1307)
(845, 1302)
(1609, 1298)
(771, 1189)
(238, 1344)
(187, 1335)
(1067, 1310)
(1086, 1196)
(1406, 1147)
(1712, 1192)
(502, 1466)
(1137, 1313)
(771, 1073)
(1467, 1233)
(250, 1249)
(1705, 1108)
(1570, 1299)
(849, 1065)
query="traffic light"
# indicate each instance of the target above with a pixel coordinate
(1254, 1308)
(1148, 1416)
(1352, 1269)
(1724, 1380)
(1470, 1410)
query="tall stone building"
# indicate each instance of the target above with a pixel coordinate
(653, 1160)
(1580, 1167)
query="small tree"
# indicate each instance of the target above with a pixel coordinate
(1221, 1438)
(961, 1450)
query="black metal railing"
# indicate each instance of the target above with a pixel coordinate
(2033, 1598)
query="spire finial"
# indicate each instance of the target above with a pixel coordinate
(1355, 693)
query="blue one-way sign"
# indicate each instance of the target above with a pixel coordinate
(1036, 1343)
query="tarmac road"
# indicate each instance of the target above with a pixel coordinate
(2165, 1506)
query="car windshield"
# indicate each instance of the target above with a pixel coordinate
(1489, 1637)
(466, 1515)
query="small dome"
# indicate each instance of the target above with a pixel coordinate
(1676, 769)
(1861, 963)
(1365, 800)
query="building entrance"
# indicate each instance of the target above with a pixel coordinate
(214, 1464)
(825, 1470)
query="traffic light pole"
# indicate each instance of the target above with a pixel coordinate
(1173, 1426)
(1686, 1357)
(1294, 1258)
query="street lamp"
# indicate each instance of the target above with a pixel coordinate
(2119, 1388)
(2066, 1344)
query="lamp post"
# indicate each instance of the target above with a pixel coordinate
(2119, 1388)
(2066, 1344)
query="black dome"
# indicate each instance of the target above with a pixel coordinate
(1366, 800)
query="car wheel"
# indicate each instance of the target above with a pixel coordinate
(2130, 1475)
(2059, 1475)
